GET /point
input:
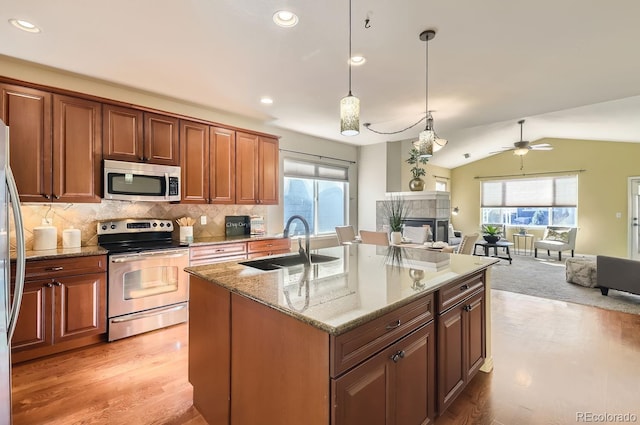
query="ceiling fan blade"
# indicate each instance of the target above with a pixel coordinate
(543, 147)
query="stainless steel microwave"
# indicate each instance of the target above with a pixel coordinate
(132, 181)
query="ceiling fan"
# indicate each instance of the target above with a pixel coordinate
(522, 147)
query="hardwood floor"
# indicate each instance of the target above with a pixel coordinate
(552, 360)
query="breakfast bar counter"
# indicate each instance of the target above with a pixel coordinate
(312, 343)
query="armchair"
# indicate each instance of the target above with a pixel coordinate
(557, 239)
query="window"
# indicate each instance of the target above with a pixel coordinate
(317, 192)
(441, 186)
(547, 201)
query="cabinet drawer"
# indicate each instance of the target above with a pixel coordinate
(269, 245)
(453, 293)
(212, 260)
(65, 267)
(267, 253)
(358, 344)
(199, 253)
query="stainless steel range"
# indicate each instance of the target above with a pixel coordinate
(147, 286)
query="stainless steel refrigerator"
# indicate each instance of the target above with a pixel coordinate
(9, 308)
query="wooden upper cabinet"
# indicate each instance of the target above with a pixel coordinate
(77, 144)
(122, 133)
(27, 112)
(194, 146)
(133, 135)
(161, 139)
(268, 166)
(256, 169)
(208, 163)
(222, 163)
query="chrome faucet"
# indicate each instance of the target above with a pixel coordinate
(304, 252)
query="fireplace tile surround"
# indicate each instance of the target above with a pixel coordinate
(434, 206)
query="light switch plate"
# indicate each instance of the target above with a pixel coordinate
(203, 219)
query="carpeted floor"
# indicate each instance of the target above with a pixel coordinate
(545, 277)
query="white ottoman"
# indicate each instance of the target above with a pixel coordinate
(581, 271)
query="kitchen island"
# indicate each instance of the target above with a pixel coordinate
(376, 335)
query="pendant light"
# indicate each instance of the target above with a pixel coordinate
(428, 141)
(350, 105)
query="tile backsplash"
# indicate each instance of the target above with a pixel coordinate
(86, 216)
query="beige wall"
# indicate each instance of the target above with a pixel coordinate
(25, 71)
(602, 188)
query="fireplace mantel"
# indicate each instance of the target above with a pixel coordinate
(419, 196)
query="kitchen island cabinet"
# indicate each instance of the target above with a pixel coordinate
(347, 341)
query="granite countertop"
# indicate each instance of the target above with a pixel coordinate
(364, 282)
(213, 240)
(85, 251)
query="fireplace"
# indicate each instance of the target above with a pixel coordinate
(439, 227)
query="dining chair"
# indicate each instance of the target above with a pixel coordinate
(465, 247)
(346, 234)
(374, 238)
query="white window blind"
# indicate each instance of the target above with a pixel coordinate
(312, 170)
(539, 192)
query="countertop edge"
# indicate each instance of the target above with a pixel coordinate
(338, 330)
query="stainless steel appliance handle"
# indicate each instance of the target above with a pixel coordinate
(20, 252)
(155, 312)
(141, 257)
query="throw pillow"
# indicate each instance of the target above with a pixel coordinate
(451, 231)
(557, 235)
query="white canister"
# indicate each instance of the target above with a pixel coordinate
(186, 235)
(45, 237)
(71, 238)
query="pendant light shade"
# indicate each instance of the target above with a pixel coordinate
(350, 105)
(428, 141)
(350, 115)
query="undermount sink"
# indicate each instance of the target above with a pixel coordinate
(276, 263)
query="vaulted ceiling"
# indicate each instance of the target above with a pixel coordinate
(569, 67)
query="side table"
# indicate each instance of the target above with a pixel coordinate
(528, 243)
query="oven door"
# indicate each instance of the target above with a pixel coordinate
(147, 280)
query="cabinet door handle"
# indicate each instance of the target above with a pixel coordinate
(394, 325)
(397, 356)
(57, 283)
(48, 285)
(46, 196)
(56, 196)
(464, 287)
(467, 308)
(54, 269)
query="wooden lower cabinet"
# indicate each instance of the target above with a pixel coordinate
(60, 312)
(396, 386)
(461, 347)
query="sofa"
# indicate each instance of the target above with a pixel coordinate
(618, 273)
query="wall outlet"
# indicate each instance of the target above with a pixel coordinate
(203, 219)
(618, 215)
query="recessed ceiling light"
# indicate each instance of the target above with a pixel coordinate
(266, 100)
(24, 25)
(357, 60)
(286, 19)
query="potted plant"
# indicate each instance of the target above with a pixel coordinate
(491, 233)
(396, 209)
(416, 183)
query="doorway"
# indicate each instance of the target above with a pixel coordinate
(634, 210)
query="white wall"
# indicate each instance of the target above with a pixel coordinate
(372, 177)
